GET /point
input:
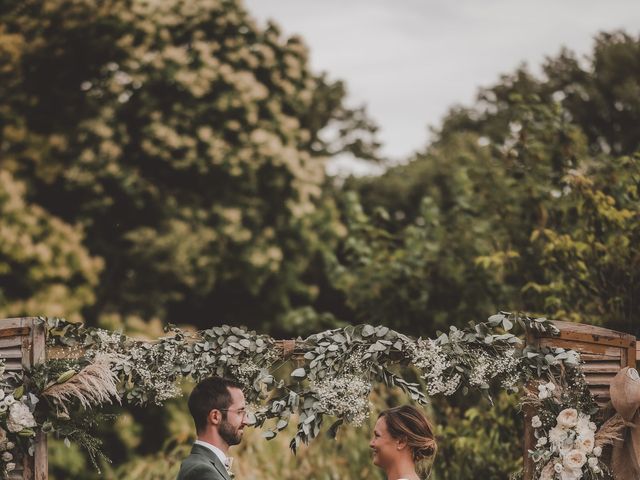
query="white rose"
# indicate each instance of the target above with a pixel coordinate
(597, 451)
(586, 442)
(574, 460)
(3, 407)
(535, 422)
(10, 467)
(10, 445)
(550, 386)
(557, 436)
(593, 461)
(9, 400)
(543, 394)
(547, 472)
(568, 418)
(541, 441)
(569, 474)
(7, 457)
(558, 467)
(20, 417)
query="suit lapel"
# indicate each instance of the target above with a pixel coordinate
(213, 458)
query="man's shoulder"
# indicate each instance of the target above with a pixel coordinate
(198, 467)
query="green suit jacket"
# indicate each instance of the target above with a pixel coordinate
(202, 464)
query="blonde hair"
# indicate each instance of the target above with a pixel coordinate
(408, 423)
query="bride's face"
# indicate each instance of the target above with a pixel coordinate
(384, 447)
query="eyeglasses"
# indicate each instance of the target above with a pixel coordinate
(241, 411)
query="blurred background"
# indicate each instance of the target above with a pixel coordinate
(415, 164)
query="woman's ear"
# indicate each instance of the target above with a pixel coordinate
(401, 444)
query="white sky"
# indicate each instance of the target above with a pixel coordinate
(410, 60)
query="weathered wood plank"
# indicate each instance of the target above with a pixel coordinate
(16, 322)
(592, 334)
(600, 366)
(594, 357)
(603, 379)
(588, 348)
(14, 332)
(15, 352)
(38, 356)
(10, 342)
(13, 365)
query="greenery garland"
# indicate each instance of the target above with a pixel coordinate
(332, 375)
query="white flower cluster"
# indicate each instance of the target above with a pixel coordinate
(5, 401)
(155, 368)
(344, 396)
(545, 390)
(152, 366)
(428, 356)
(246, 371)
(486, 367)
(569, 447)
(355, 362)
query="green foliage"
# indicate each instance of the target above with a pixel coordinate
(186, 139)
(44, 266)
(590, 259)
(514, 207)
(600, 95)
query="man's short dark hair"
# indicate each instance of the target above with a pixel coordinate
(210, 394)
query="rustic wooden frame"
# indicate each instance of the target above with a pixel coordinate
(22, 345)
(604, 352)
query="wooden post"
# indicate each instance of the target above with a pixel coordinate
(23, 345)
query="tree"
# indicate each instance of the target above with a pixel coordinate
(600, 95)
(44, 267)
(528, 208)
(186, 140)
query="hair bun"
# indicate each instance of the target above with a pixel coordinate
(428, 449)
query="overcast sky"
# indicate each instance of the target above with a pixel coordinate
(410, 60)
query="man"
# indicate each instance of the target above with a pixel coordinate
(218, 408)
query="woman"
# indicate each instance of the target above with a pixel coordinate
(402, 438)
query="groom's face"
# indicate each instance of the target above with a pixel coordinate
(234, 418)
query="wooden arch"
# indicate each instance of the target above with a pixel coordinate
(604, 351)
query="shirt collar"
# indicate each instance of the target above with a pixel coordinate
(219, 453)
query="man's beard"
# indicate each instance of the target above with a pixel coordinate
(229, 433)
